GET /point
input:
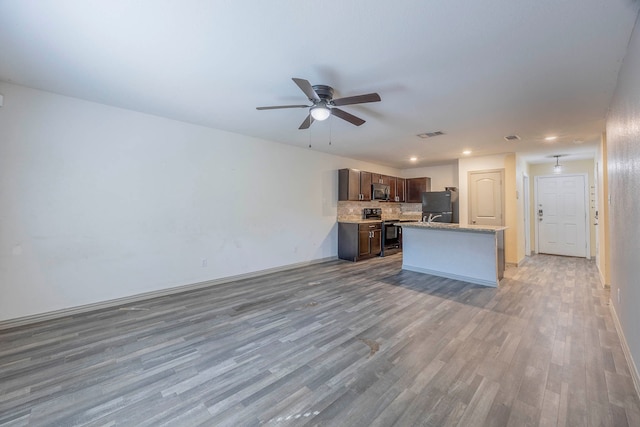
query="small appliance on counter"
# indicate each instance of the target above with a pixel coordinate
(440, 206)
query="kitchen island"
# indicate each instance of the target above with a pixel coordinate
(471, 253)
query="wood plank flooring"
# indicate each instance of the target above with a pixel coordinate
(335, 344)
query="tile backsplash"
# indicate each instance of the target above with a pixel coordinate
(352, 211)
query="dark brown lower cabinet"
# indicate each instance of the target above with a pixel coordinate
(359, 241)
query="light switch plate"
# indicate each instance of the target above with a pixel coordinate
(1, 100)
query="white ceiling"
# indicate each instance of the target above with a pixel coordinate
(477, 70)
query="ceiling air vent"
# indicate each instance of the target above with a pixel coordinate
(512, 138)
(430, 134)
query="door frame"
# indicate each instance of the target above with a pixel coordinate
(526, 200)
(595, 219)
(587, 232)
(470, 194)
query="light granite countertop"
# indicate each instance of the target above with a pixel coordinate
(455, 227)
(361, 221)
(351, 220)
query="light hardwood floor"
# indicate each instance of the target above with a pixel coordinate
(335, 344)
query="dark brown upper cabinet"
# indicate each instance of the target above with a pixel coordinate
(354, 185)
(415, 188)
(401, 189)
(392, 182)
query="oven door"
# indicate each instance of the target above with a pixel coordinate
(391, 239)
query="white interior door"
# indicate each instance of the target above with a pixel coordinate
(562, 215)
(485, 197)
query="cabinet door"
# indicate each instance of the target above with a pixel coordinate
(376, 178)
(392, 188)
(415, 188)
(365, 185)
(376, 242)
(348, 185)
(364, 239)
(401, 189)
(385, 179)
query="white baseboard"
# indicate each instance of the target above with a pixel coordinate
(602, 280)
(447, 275)
(633, 369)
(51, 315)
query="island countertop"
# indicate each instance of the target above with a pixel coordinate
(455, 227)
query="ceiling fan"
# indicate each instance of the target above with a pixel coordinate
(323, 105)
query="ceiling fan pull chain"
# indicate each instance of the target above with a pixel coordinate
(330, 128)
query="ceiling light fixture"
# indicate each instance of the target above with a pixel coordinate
(413, 159)
(551, 138)
(558, 167)
(320, 112)
(466, 152)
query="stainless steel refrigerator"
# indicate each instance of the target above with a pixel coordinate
(441, 206)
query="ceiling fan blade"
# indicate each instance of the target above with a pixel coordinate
(358, 99)
(346, 116)
(275, 107)
(307, 122)
(306, 87)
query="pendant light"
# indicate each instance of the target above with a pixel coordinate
(558, 167)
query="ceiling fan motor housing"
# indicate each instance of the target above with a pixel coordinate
(324, 92)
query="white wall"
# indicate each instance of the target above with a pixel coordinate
(603, 249)
(522, 170)
(98, 203)
(623, 155)
(467, 165)
(441, 175)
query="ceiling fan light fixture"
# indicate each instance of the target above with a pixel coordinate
(320, 112)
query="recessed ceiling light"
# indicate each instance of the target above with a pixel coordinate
(512, 138)
(466, 152)
(413, 159)
(426, 135)
(550, 138)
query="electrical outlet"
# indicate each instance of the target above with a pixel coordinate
(204, 262)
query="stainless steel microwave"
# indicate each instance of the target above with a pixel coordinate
(379, 192)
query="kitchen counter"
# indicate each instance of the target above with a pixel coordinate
(360, 221)
(455, 227)
(471, 253)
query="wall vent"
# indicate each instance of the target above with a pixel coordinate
(512, 138)
(430, 134)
